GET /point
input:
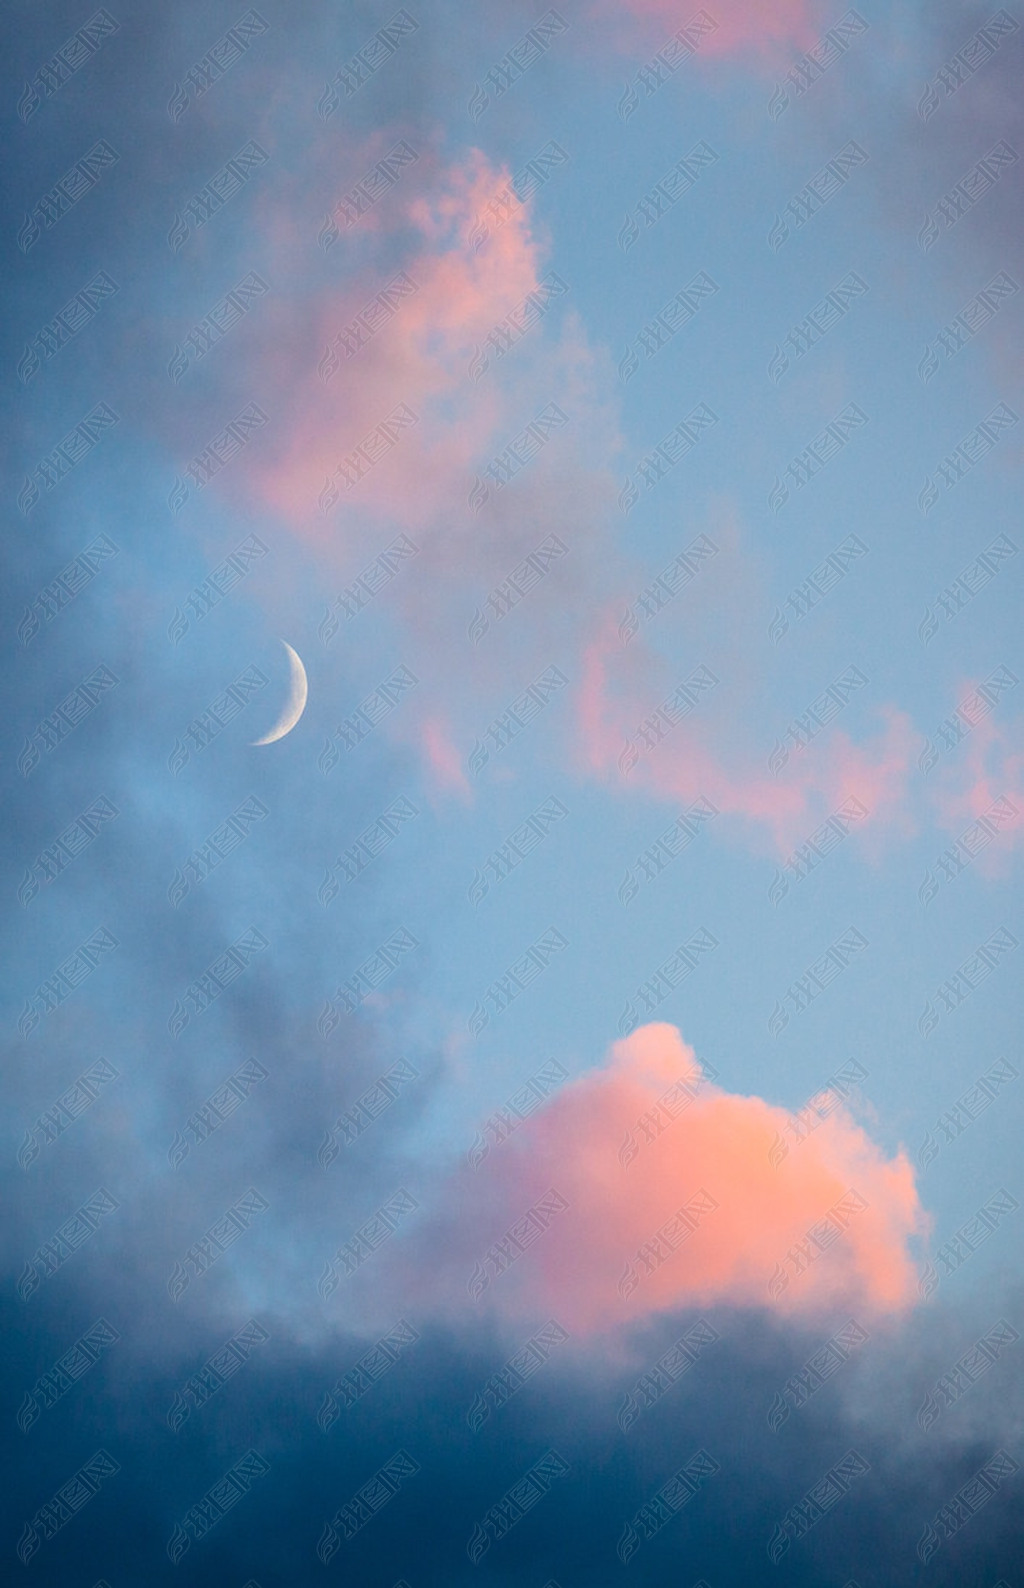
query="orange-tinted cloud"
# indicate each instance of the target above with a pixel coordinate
(684, 765)
(677, 1195)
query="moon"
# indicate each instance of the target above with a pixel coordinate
(296, 702)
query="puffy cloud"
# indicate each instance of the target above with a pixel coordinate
(670, 1193)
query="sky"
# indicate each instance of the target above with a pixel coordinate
(560, 1088)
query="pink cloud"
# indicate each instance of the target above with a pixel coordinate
(774, 30)
(419, 358)
(669, 1203)
(988, 786)
(683, 765)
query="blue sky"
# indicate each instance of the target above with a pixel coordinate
(921, 869)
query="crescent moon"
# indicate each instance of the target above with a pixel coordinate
(296, 703)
